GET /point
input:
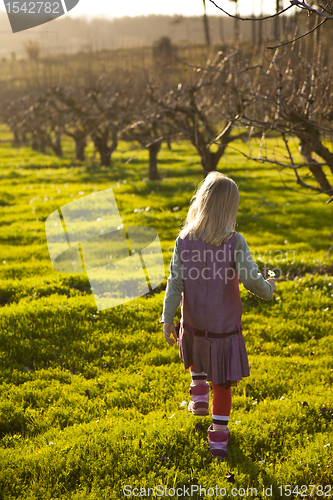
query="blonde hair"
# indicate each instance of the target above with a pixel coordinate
(213, 211)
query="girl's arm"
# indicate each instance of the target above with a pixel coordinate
(248, 271)
(175, 283)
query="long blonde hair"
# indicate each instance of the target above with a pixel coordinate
(213, 211)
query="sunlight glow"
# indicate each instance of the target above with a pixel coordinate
(111, 8)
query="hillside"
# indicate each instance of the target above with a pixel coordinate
(72, 35)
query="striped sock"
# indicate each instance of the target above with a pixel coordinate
(198, 378)
(220, 422)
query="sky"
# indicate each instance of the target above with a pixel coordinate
(118, 8)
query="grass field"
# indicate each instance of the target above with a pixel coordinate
(92, 401)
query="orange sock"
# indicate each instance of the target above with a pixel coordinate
(221, 407)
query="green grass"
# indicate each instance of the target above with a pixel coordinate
(91, 401)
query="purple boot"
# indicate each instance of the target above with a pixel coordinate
(218, 442)
(199, 405)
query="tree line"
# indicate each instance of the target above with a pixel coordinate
(230, 98)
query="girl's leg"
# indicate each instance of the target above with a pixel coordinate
(218, 433)
(199, 390)
(198, 378)
(221, 407)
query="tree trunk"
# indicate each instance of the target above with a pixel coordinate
(236, 28)
(321, 150)
(80, 145)
(34, 143)
(254, 38)
(221, 32)
(56, 145)
(104, 151)
(153, 151)
(206, 28)
(101, 144)
(17, 141)
(315, 167)
(210, 160)
(276, 21)
(260, 24)
(42, 142)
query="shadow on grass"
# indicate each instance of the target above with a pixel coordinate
(237, 458)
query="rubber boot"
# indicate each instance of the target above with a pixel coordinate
(218, 442)
(199, 405)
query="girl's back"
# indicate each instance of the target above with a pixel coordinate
(211, 298)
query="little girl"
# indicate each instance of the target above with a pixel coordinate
(209, 260)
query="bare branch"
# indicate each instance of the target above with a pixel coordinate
(299, 37)
(293, 3)
(202, 68)
(251, 18)
(284, 166)
(302, 5)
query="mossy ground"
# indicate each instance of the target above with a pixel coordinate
(91, 401)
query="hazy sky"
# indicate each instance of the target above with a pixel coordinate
(120, 8)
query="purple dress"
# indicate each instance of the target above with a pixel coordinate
(211, 302)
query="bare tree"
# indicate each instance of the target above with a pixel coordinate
(146, 126)
(207, 112)
(206, 24)
(31, 117)
(113, 102)
(291, 97)
(148, 133)
(324, 12)
(41, 120)
(73, 104)
(12, 105)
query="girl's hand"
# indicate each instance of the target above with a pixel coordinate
(169, 328)
(271, 281)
